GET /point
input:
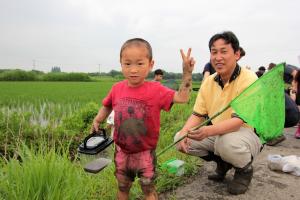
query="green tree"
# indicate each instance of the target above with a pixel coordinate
(55, 69)
(114, 73)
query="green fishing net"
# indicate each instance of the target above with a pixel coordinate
(262, 104)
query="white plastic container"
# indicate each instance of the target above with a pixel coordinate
(275, 162)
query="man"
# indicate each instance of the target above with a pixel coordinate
(158, 75)
(261, 71)
(229, 141)
(290, 72)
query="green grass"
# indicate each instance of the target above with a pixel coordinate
(19, 93)
(69, 108)
(49, 102)
(43, 174)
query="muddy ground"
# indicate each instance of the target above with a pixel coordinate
(266, 184)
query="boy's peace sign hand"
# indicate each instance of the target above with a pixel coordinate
(188, 62)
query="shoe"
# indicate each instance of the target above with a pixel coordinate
(297, 133)
(241, 180)
(221, 170)
(276, 140)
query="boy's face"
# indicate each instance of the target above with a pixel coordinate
(136, 64)
(158, 77)
(223, 58)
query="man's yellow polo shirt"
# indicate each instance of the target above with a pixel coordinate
(213, 96)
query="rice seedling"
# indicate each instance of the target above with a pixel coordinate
(58, 115)
(42, 174)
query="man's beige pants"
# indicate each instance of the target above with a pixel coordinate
(237, 148)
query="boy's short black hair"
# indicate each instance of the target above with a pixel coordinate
(158, 72)
(229, 38)
(137, 42)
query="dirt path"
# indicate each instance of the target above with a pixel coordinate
(266, 184)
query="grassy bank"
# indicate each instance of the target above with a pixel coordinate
(58, 116)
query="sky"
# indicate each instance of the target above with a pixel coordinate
(86, 35)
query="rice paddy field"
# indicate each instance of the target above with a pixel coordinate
(41, 126)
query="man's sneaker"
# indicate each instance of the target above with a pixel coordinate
(276, 140)
(222, 167)
(241, 180)
(297, 134)
(221, 170)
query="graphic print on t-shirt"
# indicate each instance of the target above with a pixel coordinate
(130, 123)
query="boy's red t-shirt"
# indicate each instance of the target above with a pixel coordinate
(137, 114)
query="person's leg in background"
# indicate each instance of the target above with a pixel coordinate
(292, 117)
(297, 133)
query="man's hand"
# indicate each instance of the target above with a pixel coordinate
(200, 133)
(188, 62)
(183, 145)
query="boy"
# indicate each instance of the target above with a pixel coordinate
(137, 104)
(158, 75)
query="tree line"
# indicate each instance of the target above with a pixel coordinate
(167, 75)
(57, 75)
(34, 75)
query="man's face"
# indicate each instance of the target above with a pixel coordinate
(223, 58)
(135, 64)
